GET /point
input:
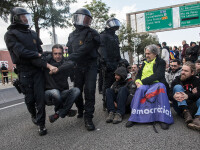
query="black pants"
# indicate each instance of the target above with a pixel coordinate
(5, 79)
(33, 85)
(100, 81)
(85, 80)
(108, 80)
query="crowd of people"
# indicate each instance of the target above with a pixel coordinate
(143, 92)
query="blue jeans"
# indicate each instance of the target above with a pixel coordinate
(62, 100)
(179, 88)
(120, 98)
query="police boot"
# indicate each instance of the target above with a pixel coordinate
(42, 130)
(89, 124)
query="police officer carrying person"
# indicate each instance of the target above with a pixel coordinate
(25, 50)
(83, 44)
(109, 54)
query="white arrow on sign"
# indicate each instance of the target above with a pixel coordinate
(148, 27)
(170, 24)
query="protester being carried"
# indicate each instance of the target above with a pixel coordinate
(150, 102)
(57, 88)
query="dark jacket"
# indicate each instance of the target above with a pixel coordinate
(192, 53)
(121, 71)
(159, 73)
(82, 45)
(56, 81)
(24, 45)
(4, 69)
(185, 46)
(188, 85)
(109, 48)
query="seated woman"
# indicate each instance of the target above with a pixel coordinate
(150, 102)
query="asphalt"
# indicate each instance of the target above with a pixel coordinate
(19, 133)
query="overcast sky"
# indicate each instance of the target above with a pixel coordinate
(120, 8)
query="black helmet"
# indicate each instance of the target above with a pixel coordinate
(82, 17)
(113, 23)
(20, 16)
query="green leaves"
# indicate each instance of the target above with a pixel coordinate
(45, 13)
(132, 42)
(100, 15)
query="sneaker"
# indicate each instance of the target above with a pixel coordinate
(164, 126)
(71, 113)
(34, 120)
(117, 119)
(129, 124)
(110, 117)
(187, 116)
(195, 124)
(89, 124)
(53, 118)
(42, 130)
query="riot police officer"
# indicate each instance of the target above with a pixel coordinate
(109, 53)
(83, 44)
(25, 50)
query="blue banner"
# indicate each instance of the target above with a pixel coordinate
(150, 103)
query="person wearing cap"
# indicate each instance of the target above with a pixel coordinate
(109, 54)
(83, 44)
(25, 50)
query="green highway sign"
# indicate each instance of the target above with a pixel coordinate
(159, 19)
(189, 15)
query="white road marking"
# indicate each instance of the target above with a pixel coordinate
(11, 106)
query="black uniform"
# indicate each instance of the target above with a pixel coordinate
(110, 57)
(24, 47)
(82, 45)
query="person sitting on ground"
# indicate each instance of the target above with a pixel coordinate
(173, 72)
(197, 66)
(57, 91)
(4, 70)
(185, 93)
(150, 102)
(134, 71)
(118, 94)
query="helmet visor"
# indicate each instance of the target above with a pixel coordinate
(113, 23)
(26, 19)
(80, 19)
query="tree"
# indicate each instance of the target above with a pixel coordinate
(99, 12)
(46, 13)
(5, 7)
(128, 40)
(132, 42)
